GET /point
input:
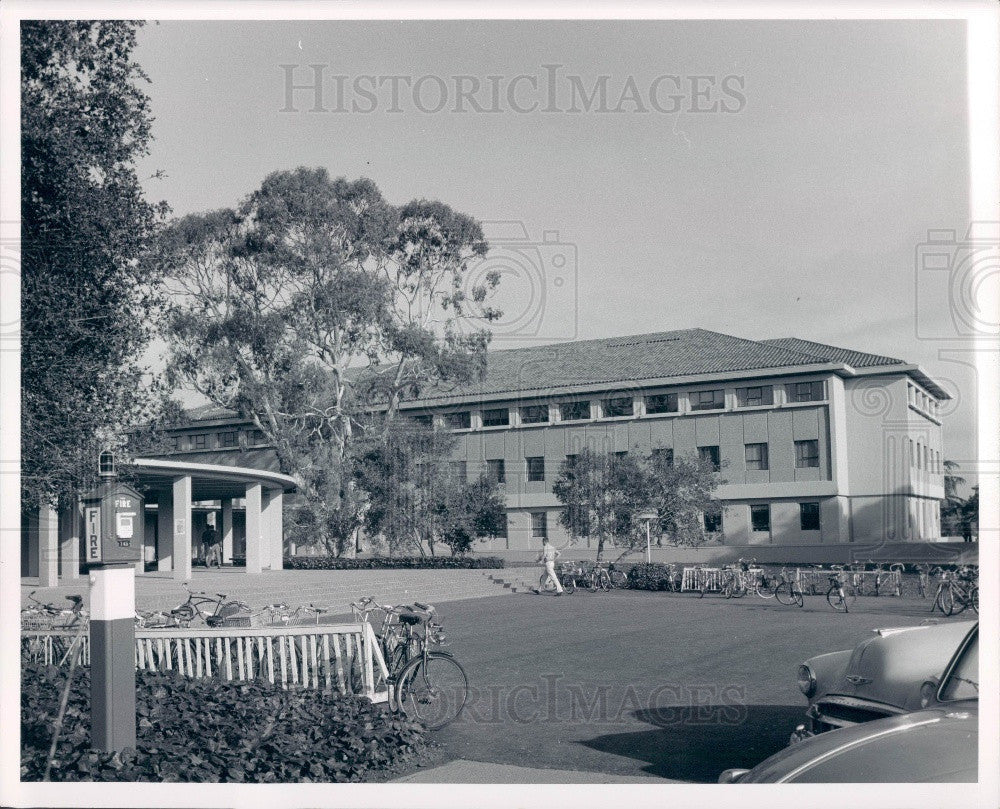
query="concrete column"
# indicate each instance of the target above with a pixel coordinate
(182, 528)
(164, 532)
(69, 542)
(226, 530)
(274, 529)
(48, 546)
(254, 539)
(31, 534)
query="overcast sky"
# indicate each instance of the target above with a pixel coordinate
(794, 209)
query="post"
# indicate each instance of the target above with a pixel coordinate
(112, 656)
(181, 491)
(648, 557)
(227, 530)
(48, 546)
(254, 529)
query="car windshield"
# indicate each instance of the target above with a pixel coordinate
(963, 682)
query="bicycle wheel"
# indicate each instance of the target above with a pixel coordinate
(764, 588)
(945, 600)
(432, 690)
(569, 584)
(974, 598)
(545, 584)
(785, 594)
(959, 602)
(618, 579)
(836, 597)
(183, 614)
(604, 581)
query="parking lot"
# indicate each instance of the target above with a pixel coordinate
(642, 684)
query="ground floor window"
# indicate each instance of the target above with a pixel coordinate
(760, 517)
(809, 516)
(713, 522)
(539, 525)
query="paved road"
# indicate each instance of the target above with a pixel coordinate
(636, 683)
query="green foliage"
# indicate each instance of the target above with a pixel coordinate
(415, 499)
(393, 563)
(604, 494)
(652, 576)
(86, 299)
(314, 303)
(209, 730)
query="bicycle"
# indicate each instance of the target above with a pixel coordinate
(566, 578)
(222, 609)
(840, 595)
(787, 591)
(39, 616)
(732, 583)
(424, 682)
(959, 591)
(923, 579)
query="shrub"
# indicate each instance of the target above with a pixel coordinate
(652, 576)
(209, 730)
(390, 562)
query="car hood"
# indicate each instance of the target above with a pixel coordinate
(890, 666)
(935, 745)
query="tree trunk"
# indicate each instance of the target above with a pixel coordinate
(600, 547)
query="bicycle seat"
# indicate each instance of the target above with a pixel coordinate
(424, 607)
(222, 595)
(411, 618)
(77, 600)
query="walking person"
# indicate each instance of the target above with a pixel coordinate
(548, 557)
(212, 546)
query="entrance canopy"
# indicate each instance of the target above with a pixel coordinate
(208, 481)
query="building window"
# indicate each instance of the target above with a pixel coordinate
(199, 441)
(663, 456)
(539, 525)
(927, 457)
(574, 411)
(806, 454)
(534, 414)
(756, 456)
(458, 471)
(617, 406)
(661, 403)
(228, 439)
(760, 517)
(497, 417)
(920, 453)
(423, 419)
(809, 516)
(458, 421)
(755, 397)
(620, 456)
(708, 400)
(711, 455)
(805, 392)
(175, 443)
(496, 471)
(536, 468)
(713, 522)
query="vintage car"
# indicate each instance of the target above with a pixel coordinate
(880, 677)
(938, 743)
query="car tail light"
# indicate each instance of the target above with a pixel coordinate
(806, 680)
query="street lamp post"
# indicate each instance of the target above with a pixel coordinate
(647, 516)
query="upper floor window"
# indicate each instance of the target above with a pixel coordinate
(661, 403)
(199, 441)
(618, 406)
(175, 442)
(496, 417)
(806, 454)
(755, 397)
(574, 411)
(534, 414)
(228, 439)
(424, 419)
(496, 471)
(536, 468)
(711, 455)
(257, 437)
(458, 421)
(806, 391)
(708, 399)
(756, 456)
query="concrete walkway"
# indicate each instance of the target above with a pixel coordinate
(461, 771)
(334, 589)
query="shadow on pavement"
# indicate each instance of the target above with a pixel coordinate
(698, 743)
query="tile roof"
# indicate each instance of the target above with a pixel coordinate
(686, 352)
(856, 359)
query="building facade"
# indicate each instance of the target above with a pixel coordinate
(816, 444)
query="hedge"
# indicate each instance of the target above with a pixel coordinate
(653, 576)
(210, 730)
(389, 562)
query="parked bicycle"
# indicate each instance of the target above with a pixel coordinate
(425, 681)
(787, 590)
(568, 573)
(40, 616)
(212, 610)
(957, 591)
(840, 594)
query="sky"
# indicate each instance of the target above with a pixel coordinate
(762, 179)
